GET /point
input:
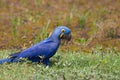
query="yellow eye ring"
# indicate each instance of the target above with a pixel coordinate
(63, 30)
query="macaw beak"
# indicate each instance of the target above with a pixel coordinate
(66, 37)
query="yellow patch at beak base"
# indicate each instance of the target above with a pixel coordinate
(61, 35)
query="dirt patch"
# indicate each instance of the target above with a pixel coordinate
(92, 22)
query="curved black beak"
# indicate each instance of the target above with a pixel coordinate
(66, 37)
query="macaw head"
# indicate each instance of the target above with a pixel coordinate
(61, 33)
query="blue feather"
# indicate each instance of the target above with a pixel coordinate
(42, 51)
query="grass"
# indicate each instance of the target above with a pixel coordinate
(82, 19)
(65, 66)
(16, 21)
(92, 23)
(44, 33)
(70, 18)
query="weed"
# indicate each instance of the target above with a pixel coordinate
(70, 18)
(82, 41)
(82, 19)
(39, 2)
(43, 33)
(24, 2)
(16, 21)
(111, 33)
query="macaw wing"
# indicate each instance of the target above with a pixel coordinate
(40, 49)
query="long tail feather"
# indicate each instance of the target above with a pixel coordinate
(5, 60)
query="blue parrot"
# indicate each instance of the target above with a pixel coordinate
(42, 51)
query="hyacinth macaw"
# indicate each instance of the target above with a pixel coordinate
(42, 51)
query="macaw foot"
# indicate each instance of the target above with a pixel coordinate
(46, 61)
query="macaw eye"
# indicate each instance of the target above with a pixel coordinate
(62, 30)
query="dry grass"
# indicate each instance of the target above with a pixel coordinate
(21, 22)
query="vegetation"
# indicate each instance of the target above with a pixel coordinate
(26, 22)
(66, 66)
(92, 54)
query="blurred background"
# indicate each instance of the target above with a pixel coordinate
(93, 23)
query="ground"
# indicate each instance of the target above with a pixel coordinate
(66, 66)
(93, 23)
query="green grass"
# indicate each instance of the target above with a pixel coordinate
(43, 33)
(65, 66)
(16, 21)
(82, 19)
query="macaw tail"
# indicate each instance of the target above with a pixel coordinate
(5, 60)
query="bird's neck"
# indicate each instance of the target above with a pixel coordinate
(55, 38)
